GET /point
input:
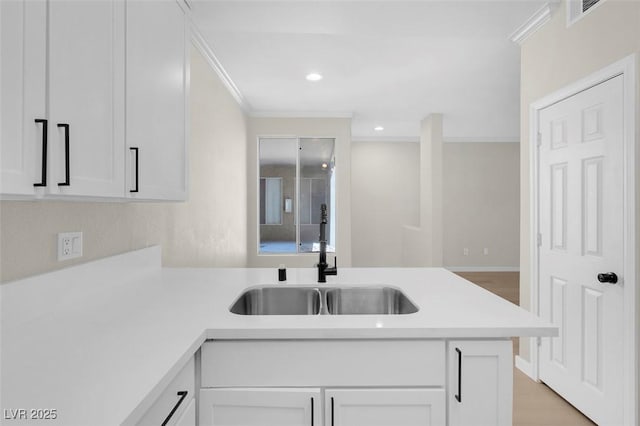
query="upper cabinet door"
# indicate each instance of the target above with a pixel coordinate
(156, 99)
(86, 97)
(23, 42)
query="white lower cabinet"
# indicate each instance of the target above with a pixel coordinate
(303, 407)
(480, 383)
(356, 382)
(385, 407)
(260, 407)
(336, 382)
(176, 404)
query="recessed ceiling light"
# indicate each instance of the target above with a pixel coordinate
(314, 77)
(378, 128)
(325, 165)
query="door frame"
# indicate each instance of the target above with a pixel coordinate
(627, 67)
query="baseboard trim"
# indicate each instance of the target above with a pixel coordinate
(483, 268)
(525, 366)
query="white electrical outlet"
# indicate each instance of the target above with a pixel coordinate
(486, 251)
(69, 245)
(465, 251)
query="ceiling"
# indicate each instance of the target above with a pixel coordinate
(386, 63)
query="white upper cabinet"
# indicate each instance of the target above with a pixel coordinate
(73, 73)
(22, 95)
(157, 87)
(86, 97)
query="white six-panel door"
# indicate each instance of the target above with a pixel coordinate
(581, 226)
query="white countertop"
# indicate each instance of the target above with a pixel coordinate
(99, 341)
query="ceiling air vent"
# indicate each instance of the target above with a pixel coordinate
(586, 4)
(576, 9)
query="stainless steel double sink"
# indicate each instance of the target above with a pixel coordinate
(302, 300)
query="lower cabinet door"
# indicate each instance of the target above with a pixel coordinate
(174, 400)
(260, 407)
(385, 407)
(188, 417)
(480, 383)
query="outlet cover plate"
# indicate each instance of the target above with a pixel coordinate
(69, 245)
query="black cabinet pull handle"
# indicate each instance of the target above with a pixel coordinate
(459, 395)
(136, 172)
(332, 411)
(311, 411)
(182, 395)
(43, 181)
(608, 277)
(67, 179)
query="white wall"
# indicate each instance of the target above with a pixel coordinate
(385, 183)
(481, 187)
(207, 230)
(480, 202)
(338, 128)
(554, 57)
(422, 241)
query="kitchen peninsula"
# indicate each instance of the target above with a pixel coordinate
(116, 340)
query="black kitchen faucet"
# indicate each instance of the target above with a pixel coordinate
(323, 267)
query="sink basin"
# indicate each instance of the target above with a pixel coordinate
(378, 300)
(370, 300)
(278, 301)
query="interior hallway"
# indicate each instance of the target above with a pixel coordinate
(534, 404)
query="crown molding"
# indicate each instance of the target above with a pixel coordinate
(533, 23)
(203, 47)
(412, 139)
(416, 139)
(300, 114)
(482, 139)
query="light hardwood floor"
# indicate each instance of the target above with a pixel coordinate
(534, 404)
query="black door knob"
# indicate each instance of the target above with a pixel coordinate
(608, 277)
